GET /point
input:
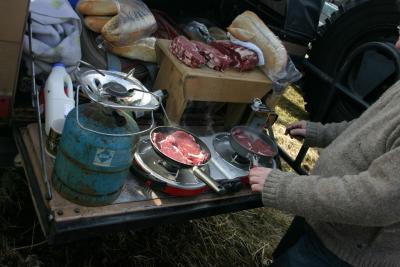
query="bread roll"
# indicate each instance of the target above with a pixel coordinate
(97, 7)
(96, 23)
(144, 50)
(122, 31)
(249, 27)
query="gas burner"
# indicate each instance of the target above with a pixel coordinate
(224, 149)
(157, 169)
(168, 167)
(116, 89)
(239, 159)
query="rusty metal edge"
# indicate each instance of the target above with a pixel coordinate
(96, 227)
(42, 211)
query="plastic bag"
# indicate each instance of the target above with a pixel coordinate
(198, 32)
(133, 22)
(143, 49)
(281, 81)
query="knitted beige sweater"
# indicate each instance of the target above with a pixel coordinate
(352, 197)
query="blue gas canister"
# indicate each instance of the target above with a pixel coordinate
(91, 168)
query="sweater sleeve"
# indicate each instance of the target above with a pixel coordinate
(370, 198)
(321, 135)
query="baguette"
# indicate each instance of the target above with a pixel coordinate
(144, 50)
(97, 7)
(250, 28)
(96, 23)
(120, 31)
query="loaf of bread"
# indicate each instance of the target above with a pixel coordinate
(122, 31)
(96, 23)
(97, 7)
(144, 50)
(249, 27)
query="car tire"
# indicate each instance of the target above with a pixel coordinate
(355, 23)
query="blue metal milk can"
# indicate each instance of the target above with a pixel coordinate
(91, 168)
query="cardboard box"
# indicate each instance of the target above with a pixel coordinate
(13, 16)
(204, 84)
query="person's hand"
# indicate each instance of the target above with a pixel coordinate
(297, 130)
(398, 43)
(257, 178)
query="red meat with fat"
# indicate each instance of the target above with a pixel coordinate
(187, 52)
(215, 59)
(255, 145)
(180, 146)
(262, 148)
(241, 57)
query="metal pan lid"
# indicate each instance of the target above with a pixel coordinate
(115, 90)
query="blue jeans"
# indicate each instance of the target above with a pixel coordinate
(308, 251)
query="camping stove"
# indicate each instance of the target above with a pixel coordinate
(225, 166)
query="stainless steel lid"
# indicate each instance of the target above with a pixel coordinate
(118, 91)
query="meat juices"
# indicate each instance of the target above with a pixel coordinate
(255, 145)
(180, 146)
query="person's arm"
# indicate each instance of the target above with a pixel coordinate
(370, 198)
(321, 135)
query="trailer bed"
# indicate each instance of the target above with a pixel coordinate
(137, 207)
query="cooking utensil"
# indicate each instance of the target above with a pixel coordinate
(253, 156)
(176, 164)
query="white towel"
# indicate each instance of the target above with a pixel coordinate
(56, 30)
(251, 46)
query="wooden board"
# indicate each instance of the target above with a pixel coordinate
(135, 196)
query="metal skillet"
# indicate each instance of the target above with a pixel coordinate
(177, 164)
(243, 151)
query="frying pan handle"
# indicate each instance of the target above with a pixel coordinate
(208, 180)
(254, 161)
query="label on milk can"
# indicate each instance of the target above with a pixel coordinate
(103, 157)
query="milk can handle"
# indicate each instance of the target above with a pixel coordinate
(115, 135)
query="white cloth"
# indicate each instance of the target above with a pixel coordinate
(251, 46)
(56, 30)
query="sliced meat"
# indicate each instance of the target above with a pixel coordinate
(226, 49)
(187, 52)
(263, 148)
(243, 139)
(215, 59)
(172, 152)
(181, 146)
(158, 137)
(241, 57)
(255, 145)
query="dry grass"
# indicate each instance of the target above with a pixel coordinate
(291, 109)
(245, 238)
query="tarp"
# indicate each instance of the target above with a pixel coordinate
(56, 32)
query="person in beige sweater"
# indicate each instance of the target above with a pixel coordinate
(351, 200)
